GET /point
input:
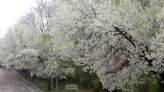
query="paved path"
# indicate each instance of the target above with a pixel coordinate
(12, 82)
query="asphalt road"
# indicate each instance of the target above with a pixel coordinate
(12, 82)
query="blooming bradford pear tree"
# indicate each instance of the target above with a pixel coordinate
(8, 49)
(25, 38)
(52, 66)
(49, 47)
(113, 38)
(27, 47)
(55, 69)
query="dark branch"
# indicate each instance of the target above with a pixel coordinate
(125, 35)
(133, 41)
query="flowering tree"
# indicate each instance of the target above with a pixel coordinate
(114, 39)
(35, 48)
(8, 49)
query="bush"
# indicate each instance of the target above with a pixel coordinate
(97, 86)
(152, 83)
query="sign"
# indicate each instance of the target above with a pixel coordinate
(71, 86)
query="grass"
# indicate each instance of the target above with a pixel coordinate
(42, 85)
(80, 90)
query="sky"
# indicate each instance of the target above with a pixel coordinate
(11, 11)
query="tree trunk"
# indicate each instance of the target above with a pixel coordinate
(57, 87)
(49, 84)
(89, 85)
(52, 84)
(25, 72)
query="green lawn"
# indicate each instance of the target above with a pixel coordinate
(42, 85)
(80, 90)
(62, 90)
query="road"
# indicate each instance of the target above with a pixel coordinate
(12, 82)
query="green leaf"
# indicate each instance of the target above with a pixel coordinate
(45, 37)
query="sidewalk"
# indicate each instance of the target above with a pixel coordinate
(27, 82)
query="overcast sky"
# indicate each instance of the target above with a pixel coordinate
(11, 11)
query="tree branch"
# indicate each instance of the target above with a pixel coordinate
(125, 35)
(133, 42)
